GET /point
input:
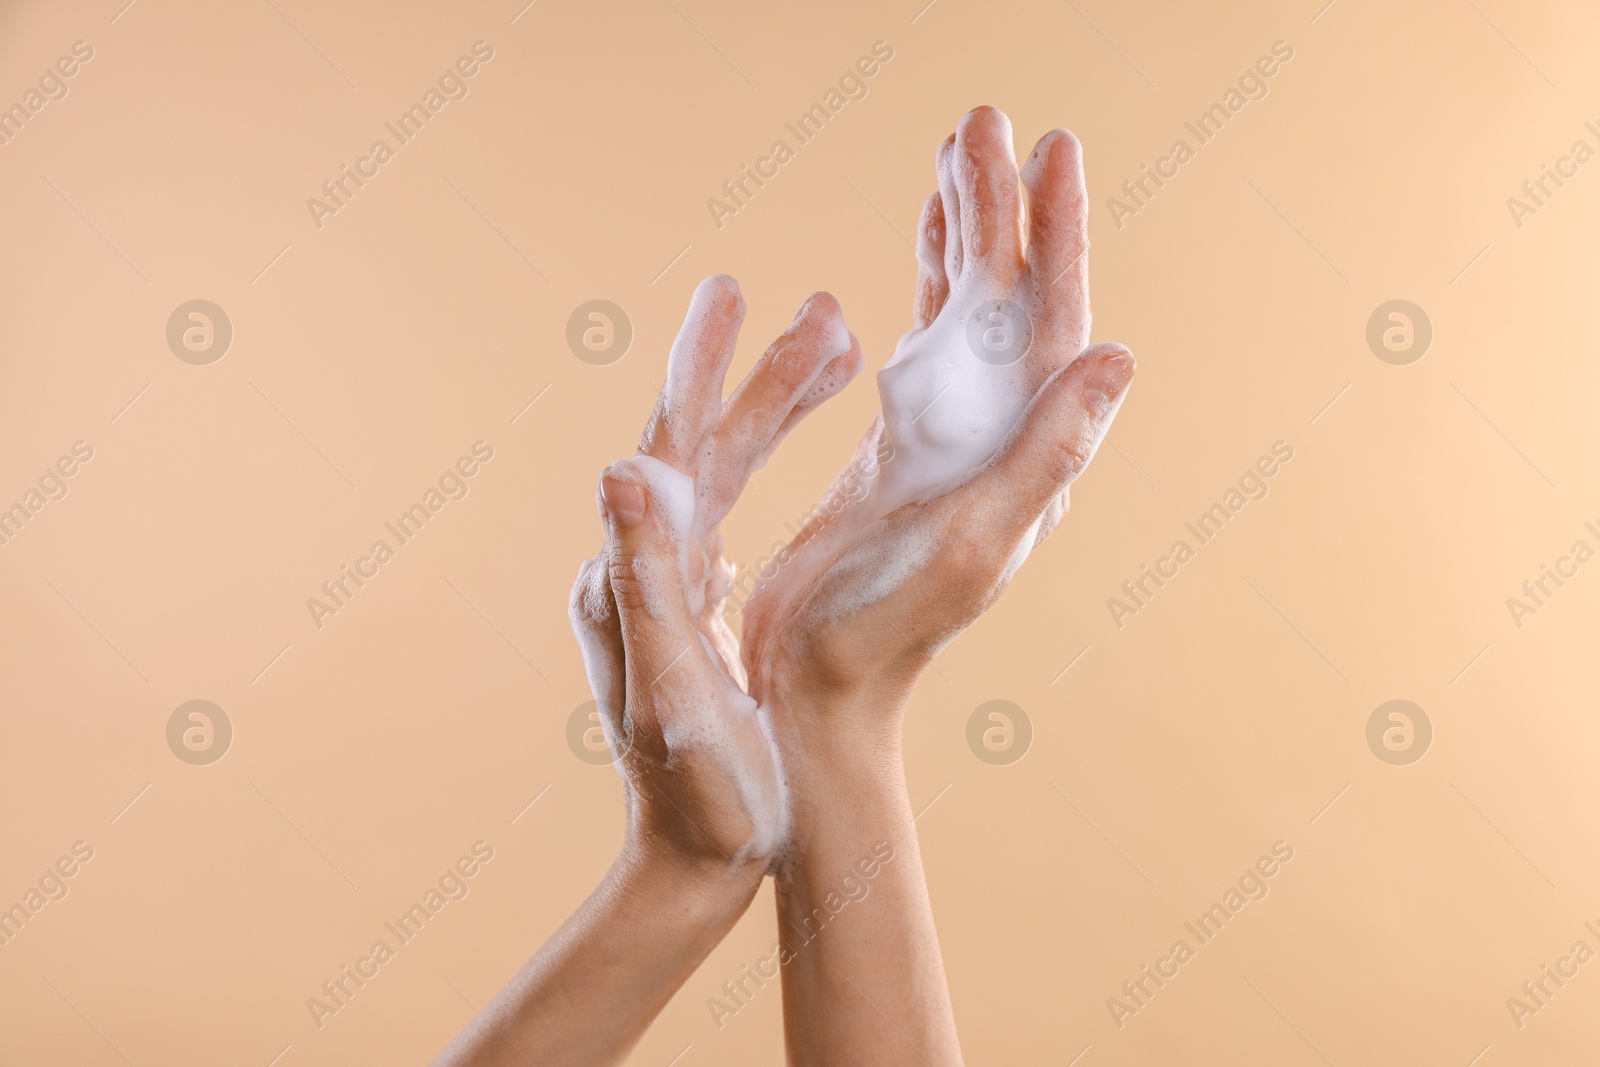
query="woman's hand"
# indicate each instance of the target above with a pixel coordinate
(992, 407)
(701, 772)
(706, 807)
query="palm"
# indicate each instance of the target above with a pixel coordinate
(893, 573)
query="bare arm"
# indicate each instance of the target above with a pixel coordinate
(864, 982)
(591, 992)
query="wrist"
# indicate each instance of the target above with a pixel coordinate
(838, 736)
(847, 780)
(657, 875)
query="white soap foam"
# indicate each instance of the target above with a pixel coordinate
(673, 492)
(945, 411)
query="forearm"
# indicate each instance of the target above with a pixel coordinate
(863, 980)
(590, 992)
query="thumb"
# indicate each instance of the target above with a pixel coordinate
(1055, 439)
(648, 508)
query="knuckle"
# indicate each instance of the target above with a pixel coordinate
(625, 585)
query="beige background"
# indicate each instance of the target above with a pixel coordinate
(425, 316)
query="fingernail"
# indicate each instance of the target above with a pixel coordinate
(1107, 382)
(624, 502)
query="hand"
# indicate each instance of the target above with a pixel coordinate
(706, 809)
(991, 407)
(697, 757)
(968, 468)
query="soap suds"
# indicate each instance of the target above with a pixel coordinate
(945, 411)
(673, 493)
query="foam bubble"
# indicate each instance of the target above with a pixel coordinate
(673, 492)
(945, 411)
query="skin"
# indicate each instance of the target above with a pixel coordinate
(703, 822)
(806, 782)
(837, 675)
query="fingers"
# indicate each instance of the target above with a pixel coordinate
(647, 507)
(1051, 446)
(839, 372)
(1053, 514)
(950, 201)
(813, 359)
(691, 399)
(593, 613)
(933, 287)
(985, 170)
(1058, 238)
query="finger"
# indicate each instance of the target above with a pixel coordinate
(1053, 514)
(840, 372)
(1051, 445)
(991, 201)
(1058, 239)
(933, 288)
(592, 611)
(757, 414)
(648, 507)
(691, 398)
(950, 201)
